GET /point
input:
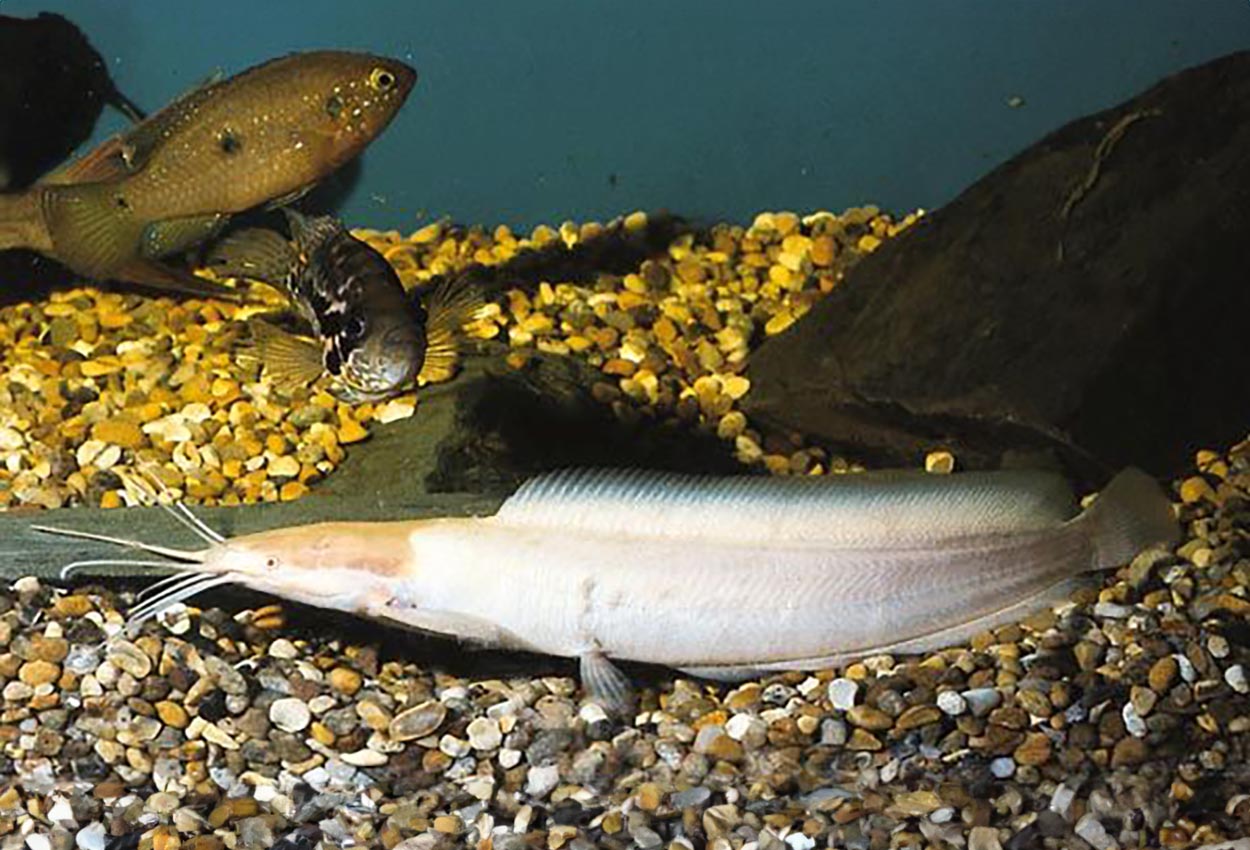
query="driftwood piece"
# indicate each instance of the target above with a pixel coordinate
(1088, 299)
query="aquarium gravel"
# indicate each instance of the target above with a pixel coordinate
(95, 386)
(1120, 719)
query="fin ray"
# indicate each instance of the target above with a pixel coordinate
(454, 305)
(1130, 514)
(606, 684)
(862, 509)
(289, 359)
(256, 253)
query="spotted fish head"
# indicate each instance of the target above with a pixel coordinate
(385, 360)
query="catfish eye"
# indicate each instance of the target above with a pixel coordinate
(334, 106)
(381, 79)
(271, 563)
(355, 327)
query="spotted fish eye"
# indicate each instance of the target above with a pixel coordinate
(381, 79)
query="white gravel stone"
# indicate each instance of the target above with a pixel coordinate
(283, 648)
(981, 701)
(747, 728)
(1090, 828)
(1235, 676)
(541, 781)
(1003, 767)
(799, 841)
(842, 693)
(91, 837)
(290, 714)
(365, 758)
(484, 734)
(952, 703)
(1061, 801)
(1133, 722)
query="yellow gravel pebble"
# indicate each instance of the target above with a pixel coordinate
(96, 387)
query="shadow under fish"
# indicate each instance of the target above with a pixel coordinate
(371, 337)
(53, 87)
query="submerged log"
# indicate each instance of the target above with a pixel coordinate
(1088, 298)
(470, 444)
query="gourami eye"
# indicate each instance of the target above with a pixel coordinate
(228, 141)
(381, 79)
(271, 563)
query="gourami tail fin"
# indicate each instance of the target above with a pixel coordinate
(90, 228)
(1131, 514)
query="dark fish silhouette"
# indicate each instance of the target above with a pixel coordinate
(53, 87)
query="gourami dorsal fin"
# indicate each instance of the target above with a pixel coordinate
(122, 155)
(866, 509)
(139, 142)
(102, 163)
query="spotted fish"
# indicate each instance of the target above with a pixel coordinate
(371, 337)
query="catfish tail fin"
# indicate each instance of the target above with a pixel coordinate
(1131, 514)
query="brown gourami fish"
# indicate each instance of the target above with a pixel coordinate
(369, 336)
(719, 577)
(264, 136)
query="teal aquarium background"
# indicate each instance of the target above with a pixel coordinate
(536, 112)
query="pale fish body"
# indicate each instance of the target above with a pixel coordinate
(719, 577)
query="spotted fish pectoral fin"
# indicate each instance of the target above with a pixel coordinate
(289, 359)
(256, 253)
(452, 310)
(606, 684)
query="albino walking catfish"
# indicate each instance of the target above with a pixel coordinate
(719, 577)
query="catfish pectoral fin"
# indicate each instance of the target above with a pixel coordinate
(606, 684)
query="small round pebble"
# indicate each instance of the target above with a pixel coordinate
(290, 714)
